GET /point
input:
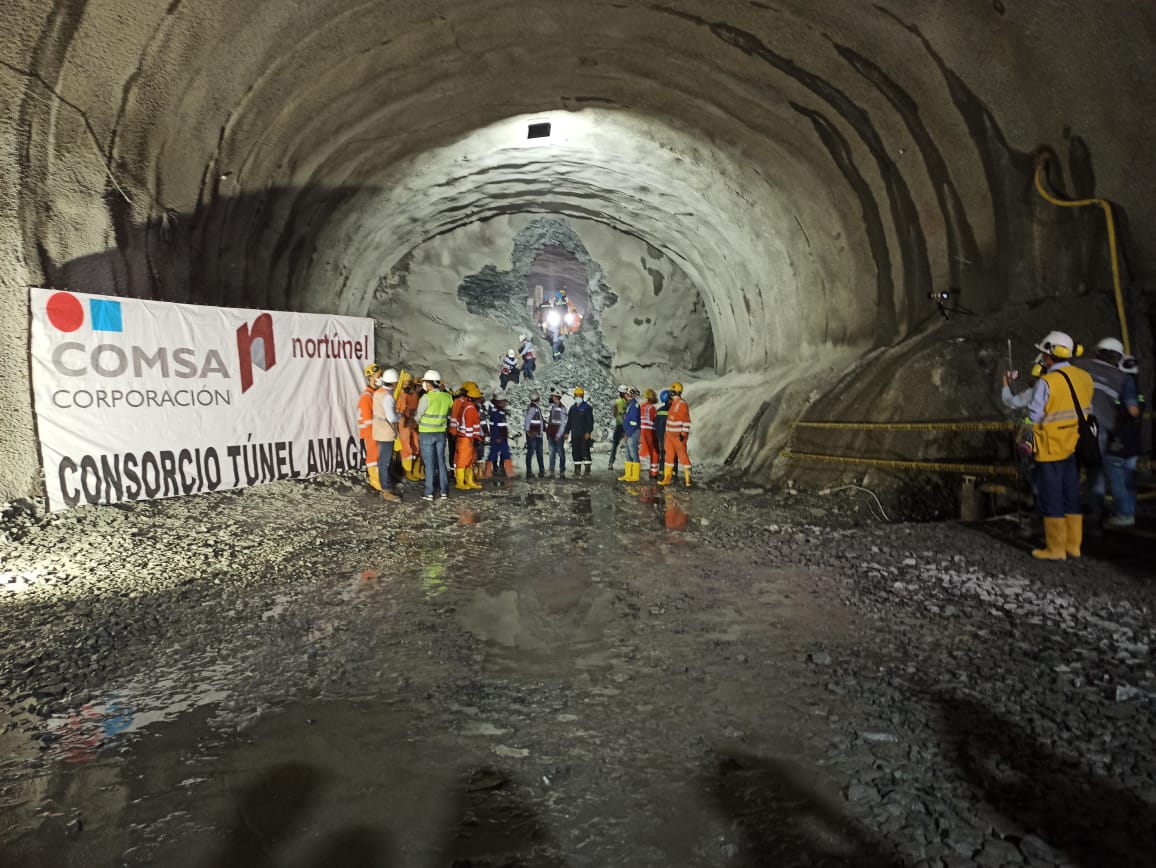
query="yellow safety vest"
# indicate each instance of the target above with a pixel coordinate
(1058, 432)
(436, 417)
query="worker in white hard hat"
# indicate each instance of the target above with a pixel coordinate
(509, 369)
(619, 408)
(500, 458)
(433, 417)
(365, 423)
(1056, 418)
(1124, 447)
(535, 427)
(385, 419)
(1104, 366)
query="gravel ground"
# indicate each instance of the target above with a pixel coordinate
(578, 673)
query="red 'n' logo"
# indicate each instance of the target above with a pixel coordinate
(255, 348)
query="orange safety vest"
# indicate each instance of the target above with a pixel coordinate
(365, 414)
(1058, 432)
(648, 411)
(678, 419)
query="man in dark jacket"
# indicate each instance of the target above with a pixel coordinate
(580, 427)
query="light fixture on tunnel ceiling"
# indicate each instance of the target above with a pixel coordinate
(539, 130)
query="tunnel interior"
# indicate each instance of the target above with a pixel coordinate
(765, 196)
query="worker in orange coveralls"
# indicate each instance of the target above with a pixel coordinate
(365, 424)
(649, 445)
(677, 435)
(406, 397)
(469, 436)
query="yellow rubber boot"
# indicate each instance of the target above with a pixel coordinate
(636, 471)
(374, 478)
(667, 473)
(460, 479)
(1056, 536)
(471, 481)
(1074, 525)
(686, 476)
(626, 475)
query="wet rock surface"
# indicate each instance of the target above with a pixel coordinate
(564, 673)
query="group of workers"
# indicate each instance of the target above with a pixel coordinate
(425, 430)
(1067, 396)
(558, 318)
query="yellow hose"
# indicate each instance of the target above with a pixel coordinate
(1107, 206)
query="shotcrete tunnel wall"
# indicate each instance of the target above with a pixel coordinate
(814, 170)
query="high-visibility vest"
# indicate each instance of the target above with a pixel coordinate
(470, 422)
(436, 417)
(678, 419)
(1055, 436)
(365, 414)
(648, 412)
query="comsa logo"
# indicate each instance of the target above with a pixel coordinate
(255, 348)
(66, 313)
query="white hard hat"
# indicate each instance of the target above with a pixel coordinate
(523, 337)
(500, 395)
(1059, 345)
(535, 396)
(390, 376)
(1112, 345)
(432, 376)
(510, 353)
(623, 389)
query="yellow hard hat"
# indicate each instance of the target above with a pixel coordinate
(579, 392)
(406, 378)
(470, 384)
(676, 388)
(472, 391)
(373, 369)
(651, 394)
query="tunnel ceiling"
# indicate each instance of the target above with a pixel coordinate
(816, 168)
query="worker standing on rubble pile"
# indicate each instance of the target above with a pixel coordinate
(580, 427)
(677, 436)
(619, 410)
(1124, 447)
(500, 457)
(407, 396)
(648, 449)
(433, 415)
(1056, 436)
(1104, 367)
(556, 432)
(528, 361)
(469, 432)
(385, 431)
(365, 424)
(631, 433)
(509, 369)
(535, 427)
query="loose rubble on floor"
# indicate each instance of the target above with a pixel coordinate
(567, 672)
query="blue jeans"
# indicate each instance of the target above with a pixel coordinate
(632, 446)
(385, 463)
(558, 448)
(1122, 475)
(433, 454)
(534, 447)
(1059, 487)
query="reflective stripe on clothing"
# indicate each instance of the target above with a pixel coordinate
(648, 411)
(678, 419)
(1056, 431)
(435, 419)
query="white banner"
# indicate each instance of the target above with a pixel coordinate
(137, 400)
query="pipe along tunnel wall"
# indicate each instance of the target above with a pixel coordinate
(802, 178)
